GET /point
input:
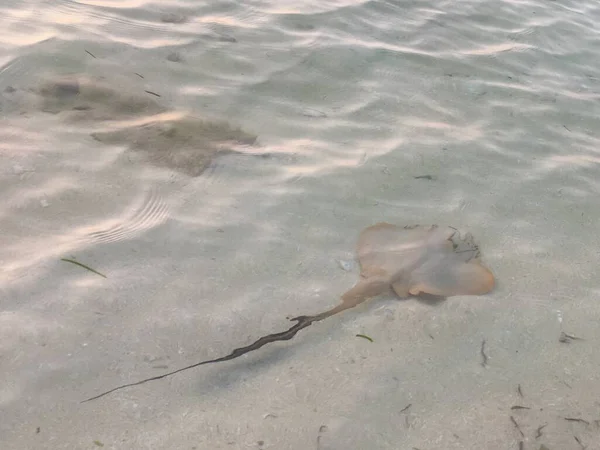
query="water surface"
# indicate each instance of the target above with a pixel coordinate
(476, 114)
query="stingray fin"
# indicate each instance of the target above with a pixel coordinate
(457, 279)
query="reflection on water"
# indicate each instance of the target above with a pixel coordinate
(130, 142)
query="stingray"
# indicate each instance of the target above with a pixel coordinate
(411, 260)
(178, 141)
(123, 113)
(81, 97)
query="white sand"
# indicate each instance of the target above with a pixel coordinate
(497, 101)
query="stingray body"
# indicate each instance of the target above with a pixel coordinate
(417, 259)
(180, 142)
(409, 260)
(79, 97)
(119, 112)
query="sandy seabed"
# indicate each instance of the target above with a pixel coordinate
(332, 116)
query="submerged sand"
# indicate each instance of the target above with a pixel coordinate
(480, 116)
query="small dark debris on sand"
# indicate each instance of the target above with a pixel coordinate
(539, 431)
(575, 419)
(568, 338)
(174, 57)
(484, 357)
(516, 424)
(173, 18)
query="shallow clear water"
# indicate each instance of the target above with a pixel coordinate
(476, 114)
